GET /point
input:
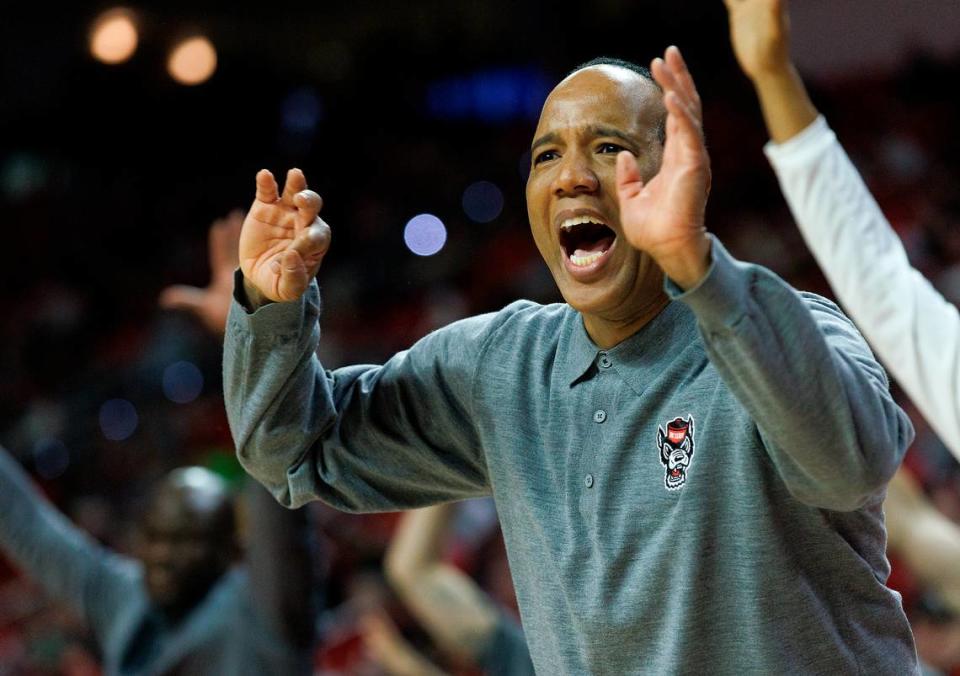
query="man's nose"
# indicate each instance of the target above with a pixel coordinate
(575, 177)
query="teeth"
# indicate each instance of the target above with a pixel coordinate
(578, 220)
(583, 261)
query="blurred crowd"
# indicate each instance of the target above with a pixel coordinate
(104, 389)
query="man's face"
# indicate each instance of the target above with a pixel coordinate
(185, 548)
(571, 194)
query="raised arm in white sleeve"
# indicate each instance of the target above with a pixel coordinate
(912, 328)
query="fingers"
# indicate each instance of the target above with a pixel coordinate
(672, 75)
(266, 187)
(293, 276)
(681, 120)
(295, 182)
(684, 79)
(629, 181)
(308, 205)
(312, 245)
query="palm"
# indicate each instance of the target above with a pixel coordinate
(669, 210)
(758, 31)
(274, 237)
(663, 217)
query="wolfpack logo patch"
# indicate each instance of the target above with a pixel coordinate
(676, 451)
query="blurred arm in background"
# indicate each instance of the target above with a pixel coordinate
(926, 540)
(67, 563)
(391, 650)
(453, 609)
(914, 330)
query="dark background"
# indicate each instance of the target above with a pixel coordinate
(111, 175)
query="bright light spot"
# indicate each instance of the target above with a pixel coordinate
(113, 37)
(118, 419)
(482, 202)
(51, 458)
(192, 61)
(182, 382)
(425, 234)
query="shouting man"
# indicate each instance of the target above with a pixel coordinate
(767, 558)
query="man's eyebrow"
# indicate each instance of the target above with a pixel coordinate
(595, 130)
(551, 137)
(598, 130)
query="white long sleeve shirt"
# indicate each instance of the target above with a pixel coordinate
(913, 329)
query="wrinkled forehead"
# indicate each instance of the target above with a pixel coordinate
(603, 94)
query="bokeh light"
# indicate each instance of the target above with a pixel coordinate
(118, 419)
(482, 201)
(51, 458)
(425, 234)
(192, 61)
(113, 37)
(182, 382)
(301, 111)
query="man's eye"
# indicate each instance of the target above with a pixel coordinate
(610, 148)
(545, 156)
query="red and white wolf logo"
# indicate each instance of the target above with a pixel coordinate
(676, 450)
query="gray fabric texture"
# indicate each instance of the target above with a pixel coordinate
(506, 652)
(228, 632)
(768, 558)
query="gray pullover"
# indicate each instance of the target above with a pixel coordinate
(703, 498)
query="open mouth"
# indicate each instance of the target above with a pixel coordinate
(585, 240)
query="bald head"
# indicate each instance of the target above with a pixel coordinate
(190, 537)
(626, 72)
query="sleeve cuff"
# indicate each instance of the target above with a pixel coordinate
(275, 318)
(719, 300)
(803, 147)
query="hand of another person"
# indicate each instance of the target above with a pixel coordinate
(390, 650)
(665, 217)
(283, 240)
(211, 304)
(760, 35)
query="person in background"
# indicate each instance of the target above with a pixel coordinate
(461, 619)
(184, 605)
(190, 602)
(912, 328)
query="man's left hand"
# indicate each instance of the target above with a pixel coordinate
(665, 217)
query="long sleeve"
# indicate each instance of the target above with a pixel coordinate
(54, 552)
(913, 329)
(360, 438)
(818, 397)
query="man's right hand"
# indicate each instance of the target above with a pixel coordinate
(760, 34)
(283, 240)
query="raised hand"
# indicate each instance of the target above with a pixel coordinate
(665, 217)
(211, 304)
(283, 240)
(760, 34)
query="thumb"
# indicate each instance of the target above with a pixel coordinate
(182, 297)
(293, 276)
(629, 181)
